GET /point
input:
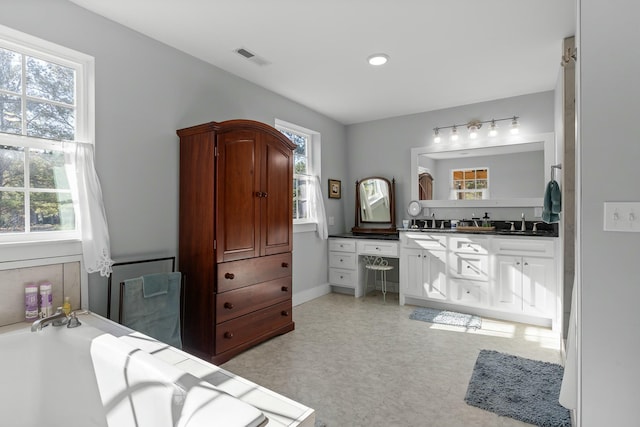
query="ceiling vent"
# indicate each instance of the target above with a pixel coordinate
(251, 56)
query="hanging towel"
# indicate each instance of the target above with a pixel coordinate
(552, 203)
(155, 284)
(157, 316)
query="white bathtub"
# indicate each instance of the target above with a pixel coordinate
(85, 377)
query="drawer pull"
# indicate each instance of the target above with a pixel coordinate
(285, 313)
(285, 265)
(285, 289)
(342, 277)
(228, 335)
(228, 305)
(341, 260)
(229, 276)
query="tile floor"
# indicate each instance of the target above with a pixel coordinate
(364, 363)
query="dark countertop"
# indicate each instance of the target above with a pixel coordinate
(367, 236)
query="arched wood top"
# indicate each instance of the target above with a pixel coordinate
(237, 124)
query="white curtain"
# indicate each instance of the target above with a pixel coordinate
(317, 207)
(87, 199)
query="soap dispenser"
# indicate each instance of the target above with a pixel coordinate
(485, 220)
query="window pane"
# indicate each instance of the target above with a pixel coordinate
(50, 121)
(300, 166)
(481, 174)
(51, 212)
(470, 185)
(470, 174)
(11, 211)
(46, 169)
(458, 185)
(10, 71)
(481, 184)
(457, 175)
(11, 166)
(10, 114)
(49, 81)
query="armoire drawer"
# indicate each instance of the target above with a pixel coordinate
(237, 274)
(238, 302)
(251, 326)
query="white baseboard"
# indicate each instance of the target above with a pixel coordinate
(309, 294)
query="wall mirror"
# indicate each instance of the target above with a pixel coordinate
(375, 206)
(509, 172)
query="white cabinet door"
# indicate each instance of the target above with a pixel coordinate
(426, 274)
(537, 278)
(508, 283)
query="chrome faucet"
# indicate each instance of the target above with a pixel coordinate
(433, 220)
(57, 319)
(523, 227)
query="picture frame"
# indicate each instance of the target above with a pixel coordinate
(335, 189)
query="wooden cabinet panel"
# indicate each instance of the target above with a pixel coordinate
(251, 298)
(236, 274)
(251, 326)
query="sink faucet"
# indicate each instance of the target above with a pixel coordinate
(57, 319)
(433, 220)
(523, 227)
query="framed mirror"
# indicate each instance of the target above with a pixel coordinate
(375, 206)
(507, 172)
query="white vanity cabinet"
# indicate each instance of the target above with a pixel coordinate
(514, 278)
(525, 275)
(343, 263)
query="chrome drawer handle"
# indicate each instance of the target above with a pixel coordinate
(229, 276)
(228, 305)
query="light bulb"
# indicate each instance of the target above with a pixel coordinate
(454, 134)
(436, 136)
(493, 129)
(515, 126)
(473, 131)
(378, 59)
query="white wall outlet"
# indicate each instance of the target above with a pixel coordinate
(332, 220)
(622, 216)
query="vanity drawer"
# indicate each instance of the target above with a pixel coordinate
(342, 277)
(377, 247)
(342, 260)
(425, 241)
(237, 274)
(342, 245)
(479, 245)
(251, 326)
(525, 247)
(244, 300)
(469, 266)
(468, 292)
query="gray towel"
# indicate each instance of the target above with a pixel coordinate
(552, 203)
(157, 316)
(155, 284)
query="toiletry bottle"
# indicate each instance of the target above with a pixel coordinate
(66, 307)
(46, 300)
(30, 302)
(485, 220)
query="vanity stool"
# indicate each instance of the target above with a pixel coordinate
(376, 264)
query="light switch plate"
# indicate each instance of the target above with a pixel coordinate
(622, 216)
(331, 220)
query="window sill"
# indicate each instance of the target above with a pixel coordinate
(306, 227)
(29, 250)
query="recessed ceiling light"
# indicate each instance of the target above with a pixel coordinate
(378, 59)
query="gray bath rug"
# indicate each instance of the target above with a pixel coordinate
(523, 389)
(320, 424)
(446, 317)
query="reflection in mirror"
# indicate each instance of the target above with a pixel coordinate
(374, 200)
(375, 206)
(509, 173)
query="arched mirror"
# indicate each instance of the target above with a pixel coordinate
(375, 206)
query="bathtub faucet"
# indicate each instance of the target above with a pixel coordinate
(57, 319)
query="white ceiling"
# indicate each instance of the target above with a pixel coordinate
(443, 53)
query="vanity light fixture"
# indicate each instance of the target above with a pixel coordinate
(474, 127)
(378, 59)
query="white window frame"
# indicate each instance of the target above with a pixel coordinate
(313, 166)
(84, 66)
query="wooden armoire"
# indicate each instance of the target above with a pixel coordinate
(236, 235)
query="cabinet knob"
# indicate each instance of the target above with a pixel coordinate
(228, 305)
(285, 289)
(526, 263)
(285, 265)
(341, 260)
(377, 248)
(229, 276)
(518, 263)
(228, 335)
(341, 277)
(468, 266)
(285, 313)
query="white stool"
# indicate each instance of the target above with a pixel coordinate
(376, 264)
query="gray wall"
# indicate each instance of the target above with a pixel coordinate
(144, 92)
(608, 154)
(383, 147)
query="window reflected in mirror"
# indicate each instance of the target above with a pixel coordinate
(470, 184)
(374, 200)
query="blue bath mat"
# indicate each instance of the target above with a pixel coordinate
(523, 389)
(445, 317)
